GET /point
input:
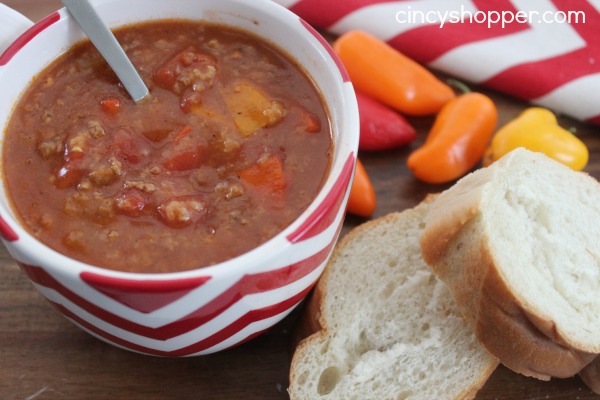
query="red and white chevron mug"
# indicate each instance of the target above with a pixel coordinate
(208, 309)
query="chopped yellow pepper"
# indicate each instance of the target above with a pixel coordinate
(537, 129)
(251, 109)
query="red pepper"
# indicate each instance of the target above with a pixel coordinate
(381, 128)
(111, 105)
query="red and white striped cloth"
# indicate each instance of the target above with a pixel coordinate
(548, 62)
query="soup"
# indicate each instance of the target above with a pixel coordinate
(233, 143)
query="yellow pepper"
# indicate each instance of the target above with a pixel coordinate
(537, 129)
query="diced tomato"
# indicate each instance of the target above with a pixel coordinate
(111, 105)
(184, 160)
(165, 76)
(267, 173)
(71, 170)
(128, 146)
(181, 211)
(69, 174)
(195, 67)
(76, 146)
(131, 203)
(311, 123)
(73, 155)
(183, 132)
(189, 100)
(185, 152)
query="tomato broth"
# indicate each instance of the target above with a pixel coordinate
(233, 143)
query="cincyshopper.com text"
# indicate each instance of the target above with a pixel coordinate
(490, 18)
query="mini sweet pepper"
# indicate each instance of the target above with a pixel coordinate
(457, 140)
(381, 128)
(537, 129)
(379, 70)
(362, 200)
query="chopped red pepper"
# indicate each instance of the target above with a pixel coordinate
(111, 105)
(267, 173)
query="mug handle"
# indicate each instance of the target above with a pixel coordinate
(12, 25)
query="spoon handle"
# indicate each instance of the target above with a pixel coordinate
(108, 46)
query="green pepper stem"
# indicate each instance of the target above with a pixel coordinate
(459, 85)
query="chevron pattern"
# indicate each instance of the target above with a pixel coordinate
(556, 65)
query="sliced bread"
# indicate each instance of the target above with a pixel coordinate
(385, 326)
(518, 243)
(591, 375)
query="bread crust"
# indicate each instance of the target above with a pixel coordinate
(314, 329)
(310, 321)
(590, 375)
(455, 246)
(504, 327)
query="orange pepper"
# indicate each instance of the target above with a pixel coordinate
(457, 141)
(362, 201)
(382, 72)
(266, 173)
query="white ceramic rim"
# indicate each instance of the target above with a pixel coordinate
(12, 25)
(344, 118)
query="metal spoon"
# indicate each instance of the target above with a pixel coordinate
(107, 45)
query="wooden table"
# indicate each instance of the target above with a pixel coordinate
(43, 356)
